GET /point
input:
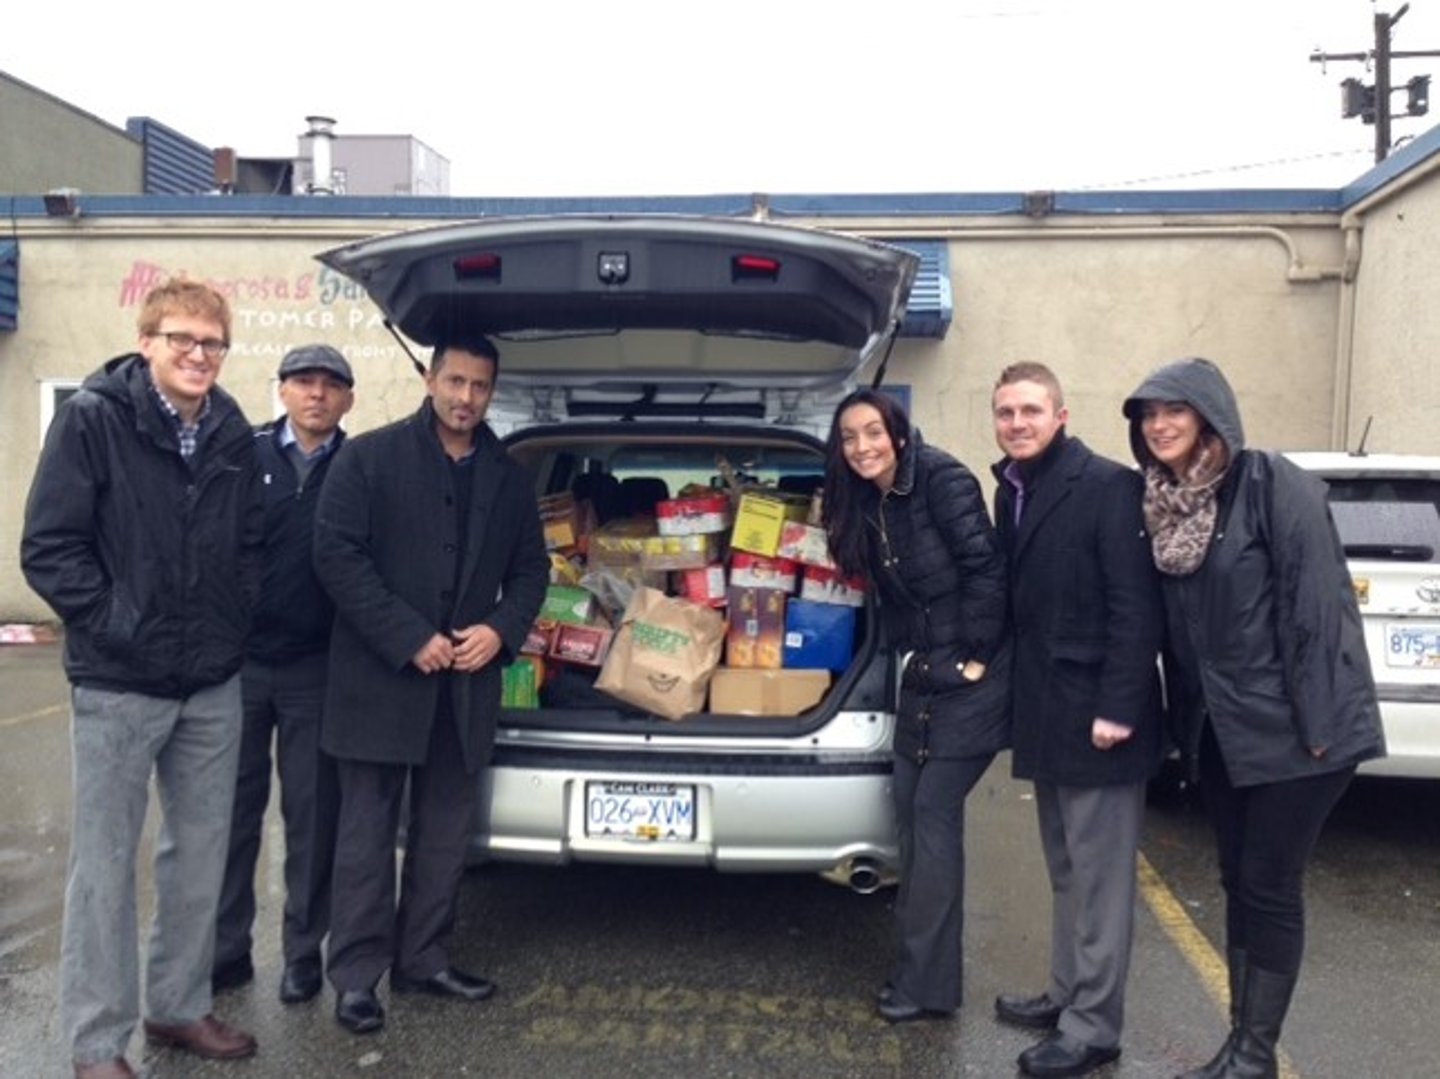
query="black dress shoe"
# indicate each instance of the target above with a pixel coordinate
(232, 974)
(886, 992)
(1040, 1012)
(898, 1008)
(359, 1011)
(300, 982)
(1061, 1055)
(448, 983)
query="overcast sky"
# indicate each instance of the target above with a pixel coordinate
(735, 96)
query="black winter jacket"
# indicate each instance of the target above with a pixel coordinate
(937, 563)
(1265, 640)
(151, 560)
(1087, 619)
(295, 614)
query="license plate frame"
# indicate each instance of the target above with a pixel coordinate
(1412, 645)
(641, 812)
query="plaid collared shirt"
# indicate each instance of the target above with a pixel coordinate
(189, 433)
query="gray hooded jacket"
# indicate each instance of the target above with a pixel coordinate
(1265, 639)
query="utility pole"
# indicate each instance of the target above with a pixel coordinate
(1372, 103)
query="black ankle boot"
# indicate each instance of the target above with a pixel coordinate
(1265, 1001)
(1216, 1068)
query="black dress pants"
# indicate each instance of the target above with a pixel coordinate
(1265, 835)
(370, 931)
(282, 702)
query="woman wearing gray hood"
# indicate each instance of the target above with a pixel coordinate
(1271, 696)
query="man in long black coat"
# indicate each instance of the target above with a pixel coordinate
(429, 540)
(1087, 623)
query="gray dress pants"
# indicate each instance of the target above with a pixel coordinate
(118, 741)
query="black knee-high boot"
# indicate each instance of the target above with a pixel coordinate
(1263, 1006)
(1236, 959)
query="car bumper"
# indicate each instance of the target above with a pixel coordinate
(1412, 740)
(792, 821)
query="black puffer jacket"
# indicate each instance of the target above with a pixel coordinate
(295, 614)
(152, 563)
(941, 576)
(1265, 638)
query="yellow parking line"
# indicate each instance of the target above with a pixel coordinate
(1209, 967)
(39, 713)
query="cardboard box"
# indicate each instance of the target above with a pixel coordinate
(756, 571)
(704, 585)
(805, 543)
(755, 635)
(819, 636)
(766, 693)
(827, 586)
(567, 603)
(583, 645)
(759, 519)
(693, 516)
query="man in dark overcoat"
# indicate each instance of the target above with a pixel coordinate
(429, 540)
(1086, 620)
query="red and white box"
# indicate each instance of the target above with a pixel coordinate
(705, 585)
(805, 543)
(827, 586)
(693, 516)
(756, 571)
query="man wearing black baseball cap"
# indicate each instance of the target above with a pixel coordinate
(283, 685)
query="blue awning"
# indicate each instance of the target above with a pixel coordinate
(932, 303)
(9, 284)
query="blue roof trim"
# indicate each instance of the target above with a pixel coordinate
(1413, 153)
(9, 284)
(931, 305)
(781, 206)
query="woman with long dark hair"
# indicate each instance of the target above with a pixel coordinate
(1270, 689)
(911, 520)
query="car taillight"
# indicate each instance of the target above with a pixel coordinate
(484, 266)
(754, 268)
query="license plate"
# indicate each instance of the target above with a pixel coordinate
(654, 812)
(1412, 644)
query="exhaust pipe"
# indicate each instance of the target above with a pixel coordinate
(864, 876)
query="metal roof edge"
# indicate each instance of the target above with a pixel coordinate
(1415, 152)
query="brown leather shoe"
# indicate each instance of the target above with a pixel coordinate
(105, 1069)
(208, 1037)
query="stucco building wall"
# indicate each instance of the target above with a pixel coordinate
(1101, 299)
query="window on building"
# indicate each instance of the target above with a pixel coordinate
(54, 392)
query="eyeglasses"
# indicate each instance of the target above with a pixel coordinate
(184, 343)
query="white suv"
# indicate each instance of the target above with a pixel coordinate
(636, 354)
(1387, 511)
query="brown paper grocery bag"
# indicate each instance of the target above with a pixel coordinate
(663, 654)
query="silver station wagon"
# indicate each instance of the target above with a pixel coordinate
(643, 358)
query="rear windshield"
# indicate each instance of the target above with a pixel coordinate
(1382, 517)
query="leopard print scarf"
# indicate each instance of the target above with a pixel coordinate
(1180, 511)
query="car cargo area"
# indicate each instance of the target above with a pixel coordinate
(724, 521)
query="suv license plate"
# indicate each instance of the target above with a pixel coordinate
(1412, 644)
(654, 812)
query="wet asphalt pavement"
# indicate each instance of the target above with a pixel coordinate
(608, 971)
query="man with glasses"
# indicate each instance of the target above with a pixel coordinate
(143, 531)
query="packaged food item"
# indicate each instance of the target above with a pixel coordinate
(560, 520)
(567, 603)
(693, 515)
(756, 571)
(586, 646)
(759, 519)
(704, 585)
(537, 640)
(819, 636)
(805, 543)
(827, 586)
(520, 683)
(757, 627)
